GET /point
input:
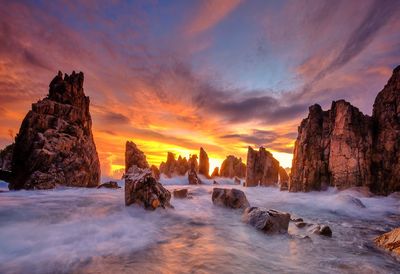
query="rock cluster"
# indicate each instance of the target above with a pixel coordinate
(180, 167)
(232, 167)
(55, 144)
(262, 168)
(344, 148)
(390, 241)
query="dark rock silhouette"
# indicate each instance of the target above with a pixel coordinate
(110, 184)
(262, 168)
(6, 158)
(180, 193)
(232, 167)
(204, 164)
(55, 143)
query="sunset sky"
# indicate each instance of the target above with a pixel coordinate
(177, 75)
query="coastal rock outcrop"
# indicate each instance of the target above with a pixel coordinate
(232, 198)
(215, 172)
(6, 157)
(262, 168)
(55, 144)
(143, 189)
(267, 220)
(390, 241)
(134, 156)
(204, 163)
(386, 156)
(155, 171)
(178, 167)
(344, 148)
(233, 167)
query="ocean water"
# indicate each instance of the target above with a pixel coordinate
(76, 230)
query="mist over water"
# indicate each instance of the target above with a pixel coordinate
(78, 230)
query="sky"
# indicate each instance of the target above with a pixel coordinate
(178, 75)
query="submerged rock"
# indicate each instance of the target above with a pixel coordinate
(110, 184)
(390, 241)
(348, 199)
(143, 189)
(180, 193)
(232, 167)
(323, 230)
(232, 198)
(55, 144)
(267, 220)
(204, 164)
(262, 168)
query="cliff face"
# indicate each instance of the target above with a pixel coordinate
(262, 168)
(342, 147)
(233, 167)
(55, 142)
(386, 157)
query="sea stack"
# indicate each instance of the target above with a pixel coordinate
(55, 144)
(262, 168)
(204, 164)
(233, 167)
(343, 148)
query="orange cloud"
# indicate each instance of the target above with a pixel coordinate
(209, 14)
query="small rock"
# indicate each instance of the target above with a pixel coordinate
(233, 198)
(300, 224)
(267, 220)
(110, 184)
(323, 230)
(180, 193)
(296, 220)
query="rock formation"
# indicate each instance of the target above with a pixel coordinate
(155, 171)
(390, 241)
(180, 193)
(134, 157)
(267, 220)
(283, 179)
(233, 167)
(6, 157)
(204, 164)
(232, 198)
(262, 168)
(344, 148)
(55, 142)
(386, 156)
(215, 172)
(180, 167)
(143, 189)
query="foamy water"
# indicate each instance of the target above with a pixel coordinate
(91, 231)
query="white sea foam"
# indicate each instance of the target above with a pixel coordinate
(91, 230)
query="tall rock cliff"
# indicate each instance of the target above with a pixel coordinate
(262, 168)
(55, 142)
(204, 163)
(386, 157)
(333, 148)
(343, 148)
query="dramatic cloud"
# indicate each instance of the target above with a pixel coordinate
(174, 76)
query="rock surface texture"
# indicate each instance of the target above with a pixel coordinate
(232, 167)
(143, 189)
(232, 198)
(344, 148)
(262, 168)
(267, 220)
(55, 143)
(390, 241)
(6, 157)
(204, 163)
(283, 179)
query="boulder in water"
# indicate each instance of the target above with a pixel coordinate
(232, 198)
(267, 220)
(390, 241)
(110, 184)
